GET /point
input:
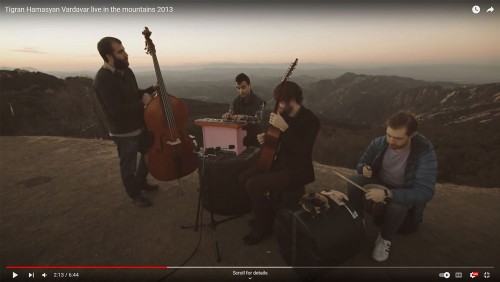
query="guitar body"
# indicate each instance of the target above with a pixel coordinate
(270, 147)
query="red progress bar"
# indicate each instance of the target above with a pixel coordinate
(87, 267)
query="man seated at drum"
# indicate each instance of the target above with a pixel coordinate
(404, 161)
(293, 165)
(247, 107)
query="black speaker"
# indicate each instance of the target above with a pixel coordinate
(222, 193)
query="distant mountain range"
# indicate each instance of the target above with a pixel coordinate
(369, 98)
(460, 120)
(456, 73)
(35, 103)
(356, 98)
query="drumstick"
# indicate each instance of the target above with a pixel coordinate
(350, 181)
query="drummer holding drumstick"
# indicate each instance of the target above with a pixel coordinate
(402, 166)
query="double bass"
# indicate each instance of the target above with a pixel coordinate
(171, 155)
(270, 147)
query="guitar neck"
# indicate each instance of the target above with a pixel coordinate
(276, 106)
(285, 78)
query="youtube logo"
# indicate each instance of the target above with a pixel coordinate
(474, 274)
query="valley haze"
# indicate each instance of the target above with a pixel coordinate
(456, 73)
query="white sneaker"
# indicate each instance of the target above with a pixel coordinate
(382, 248)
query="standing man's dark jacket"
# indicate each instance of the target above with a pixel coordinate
(120, 99)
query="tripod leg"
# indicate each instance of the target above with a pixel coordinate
(202, 187)
(202, 177)
(213, 224)
(216, 245)
(198, 213)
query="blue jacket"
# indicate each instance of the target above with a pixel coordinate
(420, 173)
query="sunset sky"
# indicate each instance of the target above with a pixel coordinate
(342, 33)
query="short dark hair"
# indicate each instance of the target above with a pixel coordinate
(403, 119)
(242, 77)
(104, 46)
(287, 91)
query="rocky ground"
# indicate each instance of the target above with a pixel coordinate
(62, 204)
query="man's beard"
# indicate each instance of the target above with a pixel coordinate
(286, 110)
(399, 147)
(121, 64)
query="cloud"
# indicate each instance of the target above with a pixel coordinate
(28, 50)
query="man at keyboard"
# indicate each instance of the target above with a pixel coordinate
(247, 107)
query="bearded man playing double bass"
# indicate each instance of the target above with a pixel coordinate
(123, 105)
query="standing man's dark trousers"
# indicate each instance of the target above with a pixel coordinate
(395, 213)
(256, 185)
(133, 175)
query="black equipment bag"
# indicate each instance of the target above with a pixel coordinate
(222, 193)
(326, 239)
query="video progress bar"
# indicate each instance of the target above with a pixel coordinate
(87, 267)
(236, 267)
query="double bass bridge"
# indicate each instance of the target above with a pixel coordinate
(172, 143)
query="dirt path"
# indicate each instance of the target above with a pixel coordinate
(62, 203)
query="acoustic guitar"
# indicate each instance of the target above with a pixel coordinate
(270, 147)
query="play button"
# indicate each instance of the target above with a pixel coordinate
(14, 275)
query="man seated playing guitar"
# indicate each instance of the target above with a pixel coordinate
(292, 163)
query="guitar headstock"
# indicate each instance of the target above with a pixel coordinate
(290, 69)
(150, 47)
